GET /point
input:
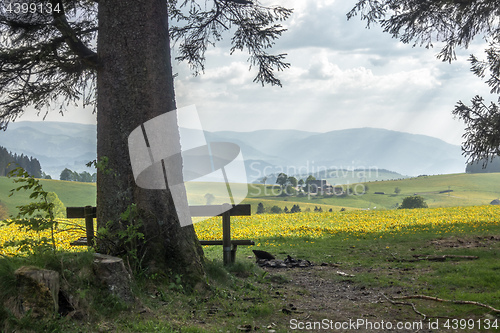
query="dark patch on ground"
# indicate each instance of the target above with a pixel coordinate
(466, 242)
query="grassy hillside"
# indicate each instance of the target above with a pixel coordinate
(467, 190)
(336, 177)
(70, 193)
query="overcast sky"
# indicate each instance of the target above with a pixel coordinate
(342, 75)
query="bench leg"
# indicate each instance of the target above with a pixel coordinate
(226, 238)
(227, 254)
(233, 253)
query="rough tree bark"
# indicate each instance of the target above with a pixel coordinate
(135, 84)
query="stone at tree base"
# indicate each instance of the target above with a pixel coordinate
(111, 272)
(38, 291)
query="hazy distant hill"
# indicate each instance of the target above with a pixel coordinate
(56, 145)
(361, 148)
(60, 145)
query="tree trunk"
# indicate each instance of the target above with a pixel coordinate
(134, 85)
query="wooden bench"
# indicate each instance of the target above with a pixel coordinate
(88, 213)
(229, 246)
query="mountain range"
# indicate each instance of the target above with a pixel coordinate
(349, 149)
(60, 145)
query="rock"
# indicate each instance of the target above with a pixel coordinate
(289, 262)
(263, 255)
(245, 328)
(495, 202)
(38, 292)
(111, 272)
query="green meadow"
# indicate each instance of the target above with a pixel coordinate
(70, 193)
(438, 191)
(356, 275)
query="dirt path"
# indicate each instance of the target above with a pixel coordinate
(319, 296)
(332, 299)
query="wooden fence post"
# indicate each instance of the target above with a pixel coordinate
(89, 224)
(226, 237)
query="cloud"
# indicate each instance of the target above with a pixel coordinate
(323, 73)
(236, 73)
(324, 24)
(342, 75)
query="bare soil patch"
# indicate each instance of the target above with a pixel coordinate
(320, 293)
(465, 242)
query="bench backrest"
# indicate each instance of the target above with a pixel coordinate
(209, 210)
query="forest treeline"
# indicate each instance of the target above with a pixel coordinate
(9, 161)
(483, 166)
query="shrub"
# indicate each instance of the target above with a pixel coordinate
(37, 216)
(290, 190)
(59, 209)
(276, 210)
(414, 201)
(295, 209)
(260, 208)
(210, 198)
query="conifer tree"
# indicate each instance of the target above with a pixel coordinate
(114, 55)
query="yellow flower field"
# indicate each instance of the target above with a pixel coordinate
(310, 225)
(67, 232)
(357, 223)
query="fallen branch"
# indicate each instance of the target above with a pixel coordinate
(406, 303)
(431, 298)
(420, 257)
(443, 257)
(344, 274)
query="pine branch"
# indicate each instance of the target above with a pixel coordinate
(256, 32)
(71, 38)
